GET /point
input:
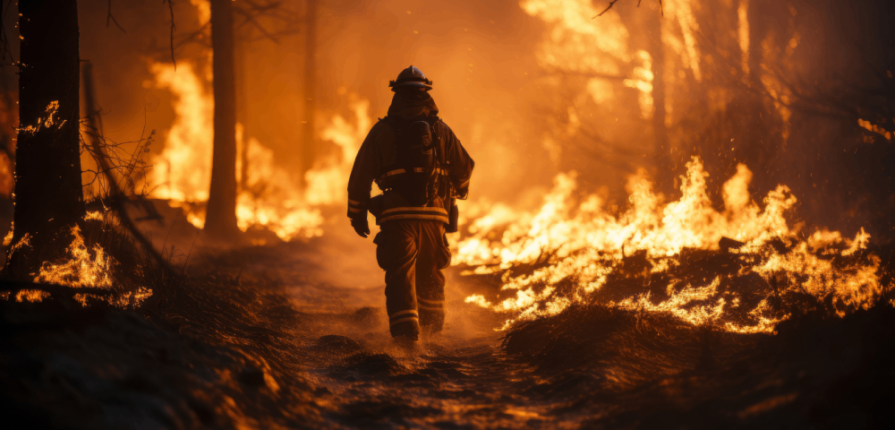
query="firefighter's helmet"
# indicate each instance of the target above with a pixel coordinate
(411, 77)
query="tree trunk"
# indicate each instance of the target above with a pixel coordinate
(242, 112)
(309, 146)
(48, 195)
(220, 218)
(660, 132)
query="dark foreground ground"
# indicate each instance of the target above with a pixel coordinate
(254, 339)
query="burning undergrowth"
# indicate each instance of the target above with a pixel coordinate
(743, 269)
(101, 258)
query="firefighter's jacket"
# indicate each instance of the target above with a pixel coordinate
(378, 154)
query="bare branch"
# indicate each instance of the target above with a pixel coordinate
(16, 286)
(251, 20)
(252, 11)
(171, 10)
(272, 10)
(612, 3)
(109, 17)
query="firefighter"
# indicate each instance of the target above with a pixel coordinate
(421, 167)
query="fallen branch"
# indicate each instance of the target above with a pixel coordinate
(14, 287)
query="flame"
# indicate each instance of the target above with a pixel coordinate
(576, 240)
(272, 198)
(84, 268)
(32, 296)
(662, 231)
(676, 304)
(569, 248)
(579, 44)
(328, 181)
(182, 172)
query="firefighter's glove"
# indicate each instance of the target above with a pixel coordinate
(361, 226)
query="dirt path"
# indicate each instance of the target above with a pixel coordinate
(457, 379)
(361, 378)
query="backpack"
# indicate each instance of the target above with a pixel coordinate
(418, 169)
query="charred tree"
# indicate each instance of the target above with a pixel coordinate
(48, 196)
(309, 148)
(220, 218)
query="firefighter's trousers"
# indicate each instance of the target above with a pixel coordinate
(413, 252)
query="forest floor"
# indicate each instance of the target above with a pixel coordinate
(294, 335)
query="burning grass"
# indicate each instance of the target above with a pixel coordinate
(102, 260)
(741, 269)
